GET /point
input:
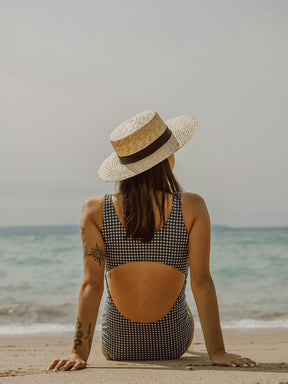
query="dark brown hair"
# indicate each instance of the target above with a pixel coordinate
(137, 192)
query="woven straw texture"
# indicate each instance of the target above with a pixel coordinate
(137, 133)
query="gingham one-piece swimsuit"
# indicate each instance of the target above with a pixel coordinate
(164, 339)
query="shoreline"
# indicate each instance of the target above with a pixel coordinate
(71, 328)
(25, 358)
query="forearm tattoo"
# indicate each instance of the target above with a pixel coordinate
(79, 334)
(89, 336)
(97, 253)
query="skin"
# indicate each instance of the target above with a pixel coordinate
(155, 285)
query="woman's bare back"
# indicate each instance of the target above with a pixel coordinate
(145, 291)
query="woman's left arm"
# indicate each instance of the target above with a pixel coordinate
(204, 290)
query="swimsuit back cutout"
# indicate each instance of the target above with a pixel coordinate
(171, 249)
(168, 337)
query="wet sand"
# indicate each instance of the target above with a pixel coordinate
(24, 359)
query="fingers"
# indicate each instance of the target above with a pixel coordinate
(77, 366)
(232, 360)
(243, 362)
(247, 362)
(67, 365)
(64, 365)
(60, 364)
(53, 364)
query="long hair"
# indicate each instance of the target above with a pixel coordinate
(137, 192)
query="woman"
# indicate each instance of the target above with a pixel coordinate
(142, 240)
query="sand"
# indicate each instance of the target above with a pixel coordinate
(25, 359)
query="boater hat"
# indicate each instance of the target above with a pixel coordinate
(143, 141)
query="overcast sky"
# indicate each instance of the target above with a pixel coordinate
(71, 71)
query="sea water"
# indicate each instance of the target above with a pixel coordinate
(41, 271)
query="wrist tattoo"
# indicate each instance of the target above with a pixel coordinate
(89, 336)
(78, 335)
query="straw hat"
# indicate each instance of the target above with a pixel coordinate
(143, 141)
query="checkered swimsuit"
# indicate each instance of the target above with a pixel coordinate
(164, 339)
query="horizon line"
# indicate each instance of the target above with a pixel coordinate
(224, 226)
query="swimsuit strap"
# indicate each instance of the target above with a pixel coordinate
(110, 216)
(109, 219)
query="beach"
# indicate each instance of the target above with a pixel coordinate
(41, 272)
(24, 359)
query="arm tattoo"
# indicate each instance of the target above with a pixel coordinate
(97, 253)
(78, 335)
(89, 336)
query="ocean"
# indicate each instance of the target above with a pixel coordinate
(41, 272)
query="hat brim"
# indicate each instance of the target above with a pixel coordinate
(182, 127)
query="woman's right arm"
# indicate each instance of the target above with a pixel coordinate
(90, 292)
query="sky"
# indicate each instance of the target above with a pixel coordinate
(72, 71)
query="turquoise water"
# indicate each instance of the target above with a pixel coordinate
(41, 272)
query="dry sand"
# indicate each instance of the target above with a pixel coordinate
(25, 359)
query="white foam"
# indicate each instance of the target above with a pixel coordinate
(254, 324)
(40, 328)
(60, 329)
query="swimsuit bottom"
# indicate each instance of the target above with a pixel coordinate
(164, 339)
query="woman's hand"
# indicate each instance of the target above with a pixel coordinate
(232, 360)
(73, 362)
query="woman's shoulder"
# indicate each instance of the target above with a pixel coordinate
(192, 198)
(93, 207)
(93, 202)
(193, 206)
